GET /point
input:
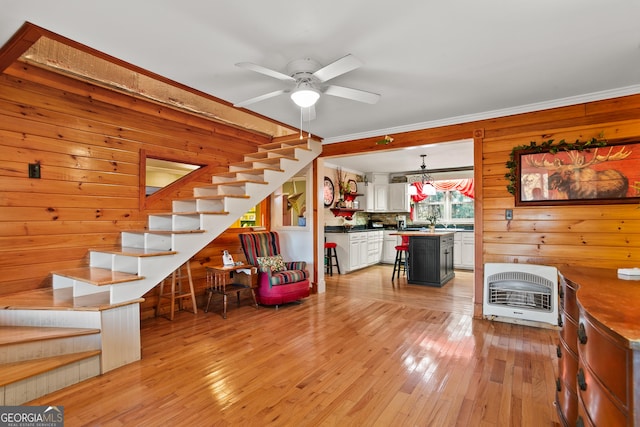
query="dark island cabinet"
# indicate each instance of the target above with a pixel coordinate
(431, 259)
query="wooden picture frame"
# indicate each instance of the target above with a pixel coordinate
(602, 175)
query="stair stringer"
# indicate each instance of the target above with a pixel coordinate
(152, 270)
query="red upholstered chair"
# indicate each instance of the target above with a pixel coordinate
(402, 258)
(279, 281)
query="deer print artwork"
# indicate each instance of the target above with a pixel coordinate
(597, 173)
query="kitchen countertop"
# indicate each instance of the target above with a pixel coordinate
(339, 229)
(423, 233)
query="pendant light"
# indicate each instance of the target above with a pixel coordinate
(427, 181)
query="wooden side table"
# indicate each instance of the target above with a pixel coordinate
(224, 280)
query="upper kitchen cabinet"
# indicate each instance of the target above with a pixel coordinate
(376, 192)
(381, 196)
(399, 197)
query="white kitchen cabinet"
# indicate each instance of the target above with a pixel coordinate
(467, 250)
(376, 196)
(376, 192)
(464, 250)
(374, 247)
(357, 249)
(398, 197)
(389, 244)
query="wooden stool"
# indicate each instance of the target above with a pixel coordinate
(176, 294)
(402, 258)
(330, 254)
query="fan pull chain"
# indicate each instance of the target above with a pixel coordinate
(301, 123)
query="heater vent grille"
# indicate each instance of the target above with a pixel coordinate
(522, 291)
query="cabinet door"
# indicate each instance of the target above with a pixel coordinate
(398, 197)
(363, 253)
(380, 197)
(467, 253)
(457, 250)
(389, 249)
(354, 254)
(446, 256)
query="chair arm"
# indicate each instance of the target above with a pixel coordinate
(296, 265)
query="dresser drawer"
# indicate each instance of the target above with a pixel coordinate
(568, 300)
(567, 366)
(567, 402)
(569, 333)
(607, 359)
(583, 417)
(598, 403)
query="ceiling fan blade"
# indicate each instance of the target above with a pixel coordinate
(355, 94)
(309, 113)
(338, 67)
(260, 98)
(266, 71)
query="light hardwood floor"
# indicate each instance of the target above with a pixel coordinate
(365, 353)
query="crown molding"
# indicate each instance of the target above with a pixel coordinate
(527, 108)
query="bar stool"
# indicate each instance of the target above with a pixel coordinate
(402, 258)
(330, 254)
(176, 292)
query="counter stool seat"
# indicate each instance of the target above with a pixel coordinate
(330, 255)
(401, 263)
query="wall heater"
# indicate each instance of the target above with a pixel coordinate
(521, 291)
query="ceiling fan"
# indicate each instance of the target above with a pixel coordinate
(306, 78)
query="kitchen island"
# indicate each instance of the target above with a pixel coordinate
(430, 257)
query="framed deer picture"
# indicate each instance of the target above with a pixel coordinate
(602, 175)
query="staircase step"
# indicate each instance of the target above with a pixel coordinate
(294, 142)
(275, 152)
(22, 334)
(14, 372)
(237, 183)
(97, 276)
(164, 232)
(134, 252)
(248, 163)
(248, 171)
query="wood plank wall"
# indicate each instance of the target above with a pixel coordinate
(88, 141)
(582, 235)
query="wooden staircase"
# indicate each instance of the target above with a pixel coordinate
(102, 299)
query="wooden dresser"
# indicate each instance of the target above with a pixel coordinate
(599, 349)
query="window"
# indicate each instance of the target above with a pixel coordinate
(162, 173)
(450, 206)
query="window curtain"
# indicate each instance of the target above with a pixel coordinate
(415, 198)
(464, 186)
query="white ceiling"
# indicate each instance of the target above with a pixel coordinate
(434, 63)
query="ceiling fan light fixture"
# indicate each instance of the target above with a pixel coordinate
(305, 95)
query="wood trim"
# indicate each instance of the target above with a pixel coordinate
(478, 220)
(18, 44)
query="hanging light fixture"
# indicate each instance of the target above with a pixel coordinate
(305, 95)
(427, 181)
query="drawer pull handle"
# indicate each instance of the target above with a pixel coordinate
(559, 352)
(582, 382)
(582, 334)
(560, 322)
(558, 385)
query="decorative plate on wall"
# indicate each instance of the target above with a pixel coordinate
(329, 191)
(353, 186)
